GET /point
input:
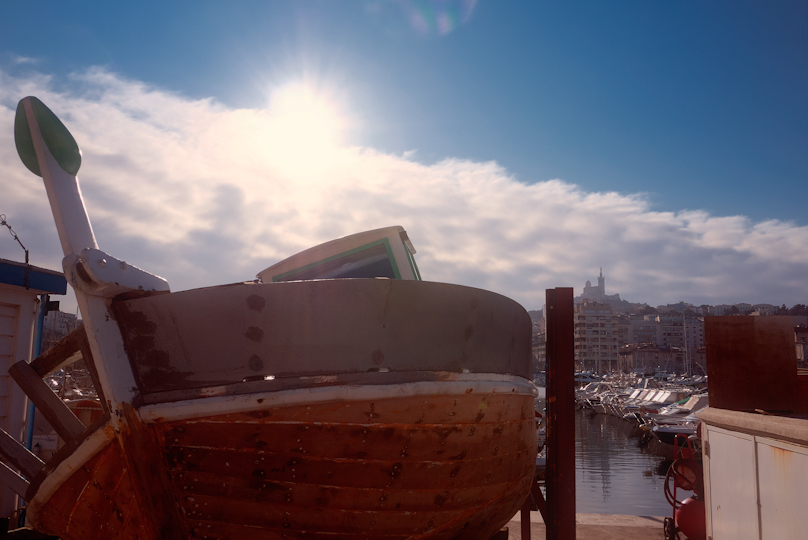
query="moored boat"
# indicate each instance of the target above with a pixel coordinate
(318, 402)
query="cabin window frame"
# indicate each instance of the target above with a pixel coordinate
(382, 241)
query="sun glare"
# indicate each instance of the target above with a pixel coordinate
(308, 126)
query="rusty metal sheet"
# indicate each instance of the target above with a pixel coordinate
(250, 331)
(751, 362)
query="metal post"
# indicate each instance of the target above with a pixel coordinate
(524, 519)
(560, 415)
(40, 328)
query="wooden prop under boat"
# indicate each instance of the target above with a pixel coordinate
(313, 409)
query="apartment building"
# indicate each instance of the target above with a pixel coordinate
(649, 358)
(672, 332)
(595, 340)
(645, 330)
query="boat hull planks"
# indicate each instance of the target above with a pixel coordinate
(422, 466)
(96, 501)
(447, 466)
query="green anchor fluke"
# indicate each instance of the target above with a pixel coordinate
(57, 138)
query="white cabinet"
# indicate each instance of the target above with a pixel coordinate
(755, 476)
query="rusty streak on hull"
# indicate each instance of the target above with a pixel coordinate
(438, 467)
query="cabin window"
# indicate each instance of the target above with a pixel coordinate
(369, 261)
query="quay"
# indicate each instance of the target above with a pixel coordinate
(588, 527)
(596, 527)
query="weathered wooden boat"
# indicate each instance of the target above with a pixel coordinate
(303, 405)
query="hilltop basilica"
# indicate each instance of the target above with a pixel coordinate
(597, 293)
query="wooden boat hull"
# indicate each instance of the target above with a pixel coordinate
(317, 408)
(445, 466)
(325, 409)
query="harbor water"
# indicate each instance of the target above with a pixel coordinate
(618, 470)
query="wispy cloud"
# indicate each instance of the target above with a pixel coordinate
(200, 194)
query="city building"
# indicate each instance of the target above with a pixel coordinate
(595, 343)
(694, 337)
(645, 330)
(649, 358)
(57, 325)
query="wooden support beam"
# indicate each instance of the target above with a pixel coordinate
(538, 499)
(63, 353)
(19, 456)
(58, 415)
(524, 522)
(10, 478)
(560, 519)
(87, 355)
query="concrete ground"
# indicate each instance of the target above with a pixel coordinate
(596, 527)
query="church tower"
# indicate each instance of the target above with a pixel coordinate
(601, 283)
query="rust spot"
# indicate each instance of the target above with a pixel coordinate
(255, 363)
(377, 357)
(254, 333)
(498, 430)
(152, 366)
(372, 413)
(259, 473)
(258, 442)
(441, 498)
(480, 416)
(468, 332)
(255, 302)
(259, 414)
(461, 455)
(395, 470)
(454, 472)
(118, 513)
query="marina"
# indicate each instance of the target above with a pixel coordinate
(339, 395)
(619, 468)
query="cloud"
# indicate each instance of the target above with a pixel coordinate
(204, 195)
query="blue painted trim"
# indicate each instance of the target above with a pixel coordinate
(39, 279)
(40, 325)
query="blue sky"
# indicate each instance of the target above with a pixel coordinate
(690, 116)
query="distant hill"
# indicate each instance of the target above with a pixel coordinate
(535, 315)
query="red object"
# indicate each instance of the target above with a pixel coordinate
(691, 519)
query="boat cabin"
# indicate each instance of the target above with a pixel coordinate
(384, 253)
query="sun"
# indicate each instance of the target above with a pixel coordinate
(308, 126)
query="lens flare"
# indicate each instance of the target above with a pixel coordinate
(437, 16)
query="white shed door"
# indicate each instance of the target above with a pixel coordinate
(9, 315)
